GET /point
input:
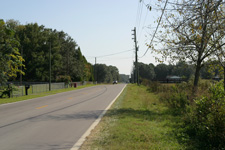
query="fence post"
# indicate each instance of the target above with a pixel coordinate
(12, 93)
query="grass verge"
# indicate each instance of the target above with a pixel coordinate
(27, 97)
(137, 120)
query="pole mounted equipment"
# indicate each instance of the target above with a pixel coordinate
(136, 57)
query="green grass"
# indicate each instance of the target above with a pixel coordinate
(137, 120)
(27, 97)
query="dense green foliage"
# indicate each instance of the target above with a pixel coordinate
(40, 47)
(38, 43)
(203, 123)
(106, 74)
(10, 58)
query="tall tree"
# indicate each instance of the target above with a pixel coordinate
(106, 74)
(39, 45)
(10, 58)
(189, 29)
(161, 71)
(146, 71)
(182, 69)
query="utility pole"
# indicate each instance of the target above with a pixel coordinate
(137, 67)
(50, 66)
(136, 80)
(95, 71)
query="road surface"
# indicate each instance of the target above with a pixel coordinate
(53, 122)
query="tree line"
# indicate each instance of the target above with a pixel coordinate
(182, 69)
(29, 50)
(106, 74)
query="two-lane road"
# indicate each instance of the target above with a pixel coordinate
(53, 122)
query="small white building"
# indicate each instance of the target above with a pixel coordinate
(173, 79)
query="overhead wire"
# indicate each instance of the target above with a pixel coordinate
(140, 17)
(137, 15)
(119, 58)
(140, 33)
(156, 29)
(115, 53)
(110, 54)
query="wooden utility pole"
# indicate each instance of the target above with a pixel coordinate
(95, 71)
(136, 80)
(50, 66)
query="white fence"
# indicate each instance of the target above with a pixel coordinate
(18, 91)
(39, 88)
(44, 87)
(35, 88)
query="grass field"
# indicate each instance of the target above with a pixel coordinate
(27, 97)
(136, 121)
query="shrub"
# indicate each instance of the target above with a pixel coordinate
(205, 123)
(66, 79)
(154, 86)
(145, 82)
(175, 97)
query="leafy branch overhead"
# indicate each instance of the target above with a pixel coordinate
(192, 30)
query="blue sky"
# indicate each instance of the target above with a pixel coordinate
(99, 27)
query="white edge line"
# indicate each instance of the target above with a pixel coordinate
(78, 144)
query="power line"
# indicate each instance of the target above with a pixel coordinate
(156, 28)
(109, 54)
(115, 53)
(147, 5)
(137, 16)
(115, 59)
(138, 27)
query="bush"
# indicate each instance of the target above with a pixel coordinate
(154, 86)
(204, 119)
(6, 91)
(175, 96)
(66, 79)
(205, 122)
(145, 82)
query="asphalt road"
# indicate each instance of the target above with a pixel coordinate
(53, 122)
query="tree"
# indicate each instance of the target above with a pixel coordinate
(106, 74)
(161, 71)
(219, 39)
(10, 58)
(146, 71)
(190, 26)
(182, 69)
(36, 41)
(221, 58)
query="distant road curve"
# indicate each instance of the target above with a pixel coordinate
(54, 122)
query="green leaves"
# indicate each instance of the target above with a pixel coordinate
(106, 74)
(149, 7)
(11, 60)
(36, 43)
(207, 121)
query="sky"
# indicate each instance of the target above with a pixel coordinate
(102, 28)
